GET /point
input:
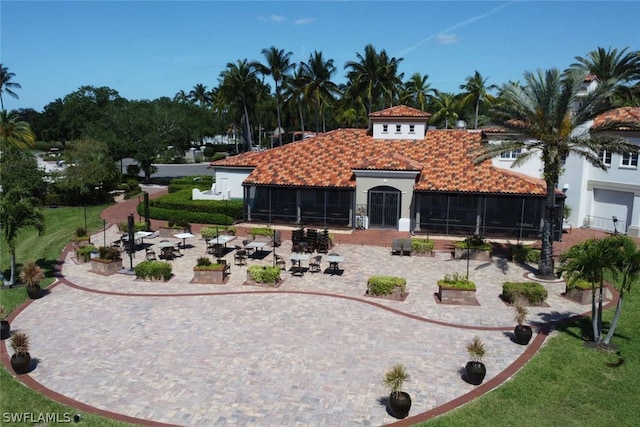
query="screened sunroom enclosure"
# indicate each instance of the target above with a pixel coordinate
(485, 215)
(305, 206)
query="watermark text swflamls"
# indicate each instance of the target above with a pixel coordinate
(36, 417)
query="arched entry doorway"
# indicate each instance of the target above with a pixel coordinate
(384, 207)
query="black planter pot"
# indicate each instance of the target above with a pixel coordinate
(399, 404)
(34, 292)
(475, 372)
(5, 329)
(523, 334)
(21, 363)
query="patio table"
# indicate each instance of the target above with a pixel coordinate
(296, 262)
(184, 236)
(334, 260)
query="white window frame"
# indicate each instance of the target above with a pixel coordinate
(385, 128)
(412, 128)
(398, 128)
(511, 155)
(605, 157)
(629, 161)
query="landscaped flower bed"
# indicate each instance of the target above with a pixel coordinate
(389, 287)
(422, 247)
(263, 275)
(155, 271)
(530, 292)
(579, 291)
(474, 248)
(457, 289)
(207, 272)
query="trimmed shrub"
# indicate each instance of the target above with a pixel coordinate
(85, 252)
(522, 253)
(211, 232)
(264, 273)
(579, 284)
(476, 242)
(533, 293)
(457, 281)
(261, 231)
(422, 246)
(385, 285)
(155, 270)
(137, 226)
(108, 253)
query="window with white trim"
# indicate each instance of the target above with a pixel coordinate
(385, 128)
(605, 157)
(510, 155)
(398, 128)
(629, 160)
(412, 128)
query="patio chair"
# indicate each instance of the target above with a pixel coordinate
(150, 255)
(240, 257)
(281, 262)
(167, 253)
(227, 267)
(245, 243)
(314, 264)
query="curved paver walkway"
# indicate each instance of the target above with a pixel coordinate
(311, 352)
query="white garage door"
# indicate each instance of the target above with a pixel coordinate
(609, 203)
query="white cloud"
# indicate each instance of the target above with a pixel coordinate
(271, 18)
(446, 38)
(304, 21)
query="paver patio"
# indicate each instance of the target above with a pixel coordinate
(311, 352)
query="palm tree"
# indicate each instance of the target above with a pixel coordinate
(199, 95)
(476, 92)
(589, 260)
(238, 85)
(318, 86)
(389, 79)
(610, 64)
(416, 91)
(181, 96)
(294, 86)
(446, 108)
(541, 112)
(278, 66)
(626, 273)
(6, 85)
(18, 211)
(14, 131)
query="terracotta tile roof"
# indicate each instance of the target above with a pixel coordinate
(328, 160)
(629, 115)
(401, 111)
(590, 78)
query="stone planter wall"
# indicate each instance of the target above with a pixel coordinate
(456, 296)
(475, 254)
(106, 267)
(214, 277)
(581, 296)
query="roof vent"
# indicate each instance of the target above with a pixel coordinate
(460, 124)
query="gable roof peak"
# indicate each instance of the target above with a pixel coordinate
(400, 111)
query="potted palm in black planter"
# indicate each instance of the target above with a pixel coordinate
(522, 333)
(5, 327)
(475, 370)
(21, 359)
(399, 401)
(31, 275)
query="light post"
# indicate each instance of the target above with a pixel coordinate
(468, 240)
(615, 225)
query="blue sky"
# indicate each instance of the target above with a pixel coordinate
(146, 49)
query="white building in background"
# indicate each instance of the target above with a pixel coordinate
(605, 200)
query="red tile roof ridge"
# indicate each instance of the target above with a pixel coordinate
(630, 115)
(400, 111)
(390, 161)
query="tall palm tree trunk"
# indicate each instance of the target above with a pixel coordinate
(247, 126)
(614, 321)
(278, 114)
(546, 268)
(477, 112)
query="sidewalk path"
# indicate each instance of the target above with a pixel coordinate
(310, 352)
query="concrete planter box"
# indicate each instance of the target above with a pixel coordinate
(456, 296)
(209, 276)
(82, 243)
(475, 254)
(106, 267)
(581, 296)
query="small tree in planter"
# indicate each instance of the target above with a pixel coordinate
(5, 327)
(21, 359)
(522, 333)
(81, 238)
(399, 401)
(475, 370)
(31, 275)
(207, 271)
(108, 262)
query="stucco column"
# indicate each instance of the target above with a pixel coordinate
(633, 229)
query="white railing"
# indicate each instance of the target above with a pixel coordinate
(610, 225)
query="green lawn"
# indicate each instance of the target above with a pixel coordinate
(564, 385)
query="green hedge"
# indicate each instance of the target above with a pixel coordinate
(523, 253)
(422, 246)
(475, 242)
(109, 253)
(533, 293)
(385, 285)
(211, 232)
(187, 183)
(157, 270)
(261, 231)
(84, 253)
(264, 273)
(579, 284)
(457, 281)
